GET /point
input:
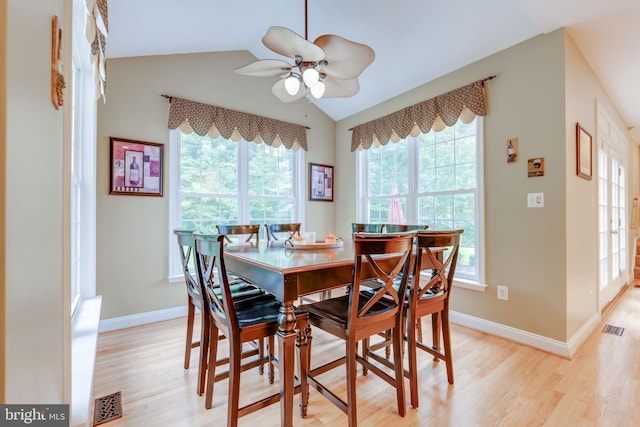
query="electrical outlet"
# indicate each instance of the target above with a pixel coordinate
(503, 292)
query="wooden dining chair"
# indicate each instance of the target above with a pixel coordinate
(358, 227)
(370, 307)
(289, 230)
(241, 321)
(240, 289)
(398, 228)
(251, 231)
(426, 296)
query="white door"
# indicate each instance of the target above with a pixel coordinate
(612, 208)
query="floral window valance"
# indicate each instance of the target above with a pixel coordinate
(465, 103)
(96, 31)
(205, 119)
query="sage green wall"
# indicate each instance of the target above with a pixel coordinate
(37, 308)
(133, 232)
(543, 260)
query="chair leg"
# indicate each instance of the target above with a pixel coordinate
(365, 355)
(352, 414)
(435, 332)
(413, 364)
(235, 358)
(211, 366)
(270, 349)
(191, 313)
(260, 343)
(398, 344)
(446, 337)
(303, 365)
(204, 354)
(419, 329)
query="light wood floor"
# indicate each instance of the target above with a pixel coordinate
(497, 382)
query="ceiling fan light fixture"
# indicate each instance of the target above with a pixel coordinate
(311, 76)
(292, 85)
(318, 90)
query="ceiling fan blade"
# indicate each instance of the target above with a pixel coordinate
(340, 88)
(285, 42)
(347, 59)
(264, 68)
(279, 90)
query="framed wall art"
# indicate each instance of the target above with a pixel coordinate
(135, 167)
(320, 182)
(584, 162)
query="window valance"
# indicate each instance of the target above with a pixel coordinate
(465, 103)
(96, 31)
(206, 119)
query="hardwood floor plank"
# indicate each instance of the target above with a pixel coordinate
(497, 382)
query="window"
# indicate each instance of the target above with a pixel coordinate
(219, 181)
(433, 179)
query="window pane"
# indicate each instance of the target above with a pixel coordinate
(387, 166)
(270, 171)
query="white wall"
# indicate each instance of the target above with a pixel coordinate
(37, 323)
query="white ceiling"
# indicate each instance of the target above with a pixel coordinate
(415, 41)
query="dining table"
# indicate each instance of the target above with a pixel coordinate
(289, 273)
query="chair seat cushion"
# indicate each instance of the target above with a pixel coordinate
(337, 309)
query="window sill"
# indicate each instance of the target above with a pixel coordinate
(468, 284)
(84, 341)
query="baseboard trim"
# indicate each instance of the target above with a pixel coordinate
(123, 322)
(563, 349)
(523, 337)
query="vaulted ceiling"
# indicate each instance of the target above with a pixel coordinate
(415, 41)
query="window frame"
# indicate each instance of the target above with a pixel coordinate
(299, 178)
(362, 211)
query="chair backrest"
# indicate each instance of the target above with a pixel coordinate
(251, 231)
(212, 278)
(357, 227)
(443, 267)
(274, 229)
(376, 274)
(397, 228)
(186, 243)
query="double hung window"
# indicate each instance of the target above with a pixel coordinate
(433, 179)
(219, 181)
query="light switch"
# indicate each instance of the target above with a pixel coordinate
(535, 200)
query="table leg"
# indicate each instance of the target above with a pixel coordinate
(286, 355)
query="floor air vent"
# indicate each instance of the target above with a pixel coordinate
(107, 408)
(615, 330)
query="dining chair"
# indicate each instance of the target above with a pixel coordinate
(370, 307)
(240, 289)
(241, 321)
(358, 227)
(429, 293)
(251, 231)
(397, 228)
(289, 230)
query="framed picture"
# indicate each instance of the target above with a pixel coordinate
(584, 162)
(320, 182)
(135, 167)
(535, 167)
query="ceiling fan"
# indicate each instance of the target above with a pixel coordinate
(327, 68)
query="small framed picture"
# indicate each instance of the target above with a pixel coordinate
(535, 167)
(584, 162)
(135, 167)
(320, 182)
